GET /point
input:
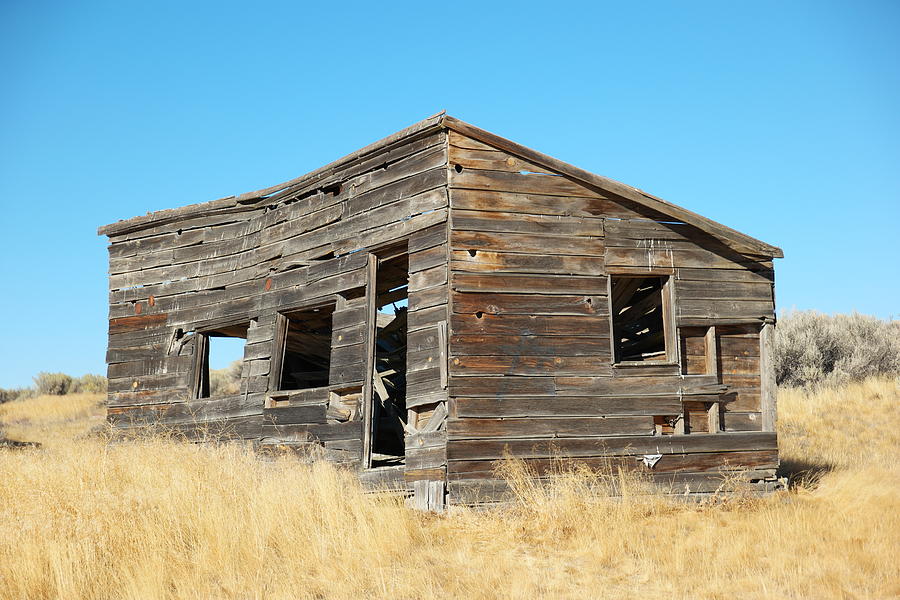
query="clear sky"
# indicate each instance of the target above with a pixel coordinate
(781, 119)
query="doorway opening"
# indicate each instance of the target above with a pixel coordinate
(389, 376)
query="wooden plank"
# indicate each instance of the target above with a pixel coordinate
(725, 290)
(768, 390)
(136, 323)
(605, 386)
(294, 415)
(623, 446)
(528, 365)
(737, 421)
(740, 275)
(499, 181)
(669, 463)
(528, 284)
(429, 317)
(351, 430)
(428, 278)
(368, 382)
(535, 203)
(732, 345)
(303, 397)
(195, 411)
(486, 261)
(518, 222)
(518, 345)
(495, 387)
(486, 158)
(422, 299)
(529, 406)
(656, 256)
(443, 349)
(528, 243)
(151, 366)
(724, 310)
(527, 325)
(428, 258)
(528, 304)
(278, 346)
(546, 427)
(711, 351)
(646, 369)
(427, 237)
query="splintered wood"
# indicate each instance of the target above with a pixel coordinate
(445, 298)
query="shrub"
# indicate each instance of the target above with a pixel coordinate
(813, 348)
(89, 384)
(8, 395)
(53, 384)
(227, 381)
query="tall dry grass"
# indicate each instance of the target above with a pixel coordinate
(52, 419)
(158, 518)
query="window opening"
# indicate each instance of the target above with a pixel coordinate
(639, 319)
(306, 359)
(389, 390)
(221, 355)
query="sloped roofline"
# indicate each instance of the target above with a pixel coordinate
(736, 240)
(731, 237)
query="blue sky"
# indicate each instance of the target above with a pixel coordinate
(779, 119)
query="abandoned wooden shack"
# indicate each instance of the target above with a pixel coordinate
(445, 297)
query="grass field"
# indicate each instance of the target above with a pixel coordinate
(162, 519)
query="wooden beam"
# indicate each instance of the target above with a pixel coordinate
(369, 341)
(279, 344)
(712, 368)
(768, 389)
(712, 352)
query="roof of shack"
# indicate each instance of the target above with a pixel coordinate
(249, 201)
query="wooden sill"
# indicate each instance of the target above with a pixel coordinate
(643, 363)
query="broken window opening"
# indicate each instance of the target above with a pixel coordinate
(306, 356)
(639, 318)
(389, 414)
(220, 355)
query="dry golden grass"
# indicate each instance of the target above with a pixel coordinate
(51, 420)
(162, 519)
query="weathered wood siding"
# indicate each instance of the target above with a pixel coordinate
(531, 371)
(301, 246)
(509, 320)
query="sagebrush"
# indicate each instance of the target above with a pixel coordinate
(813, 348)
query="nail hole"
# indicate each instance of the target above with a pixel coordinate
(473, 252)
(458, 168)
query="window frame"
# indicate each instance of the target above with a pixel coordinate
(201, 353)
(670, 334)
(279, 341)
